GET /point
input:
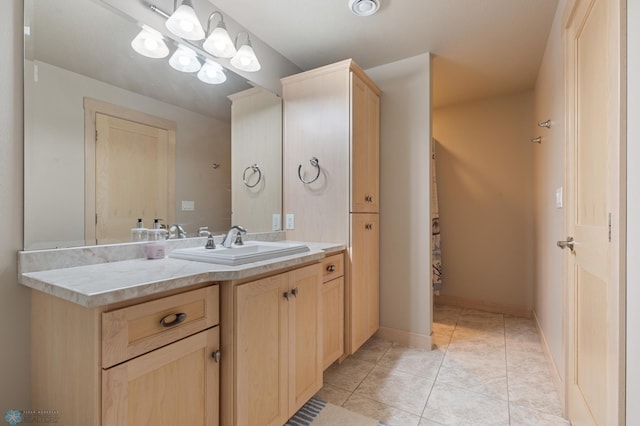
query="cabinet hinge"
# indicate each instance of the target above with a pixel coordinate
(96, 135)
(609, 227)
(96, 218)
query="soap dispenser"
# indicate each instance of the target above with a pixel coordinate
(156, 248)
(139, 233)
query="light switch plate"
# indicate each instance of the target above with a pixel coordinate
(290, 221)
(276, 222)
(559, 198)
(188, 206)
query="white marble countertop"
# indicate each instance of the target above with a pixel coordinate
(110, 282)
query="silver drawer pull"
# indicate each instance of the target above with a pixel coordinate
(216, 356)
(331, 268)
(172, 320)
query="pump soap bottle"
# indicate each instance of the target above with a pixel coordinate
(156, 248)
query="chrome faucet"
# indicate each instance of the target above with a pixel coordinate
(228, 239)
(177, 231)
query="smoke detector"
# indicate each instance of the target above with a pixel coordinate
(364, 7)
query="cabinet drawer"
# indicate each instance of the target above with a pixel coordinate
(141, 328)
(332, 267)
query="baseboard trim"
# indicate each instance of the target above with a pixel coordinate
(481, 305)
(403, 337)
(558, 382)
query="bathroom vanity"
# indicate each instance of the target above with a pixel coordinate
(122, 340)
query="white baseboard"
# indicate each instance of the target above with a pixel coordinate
(461, 302)
(403, 337)
(558, 381)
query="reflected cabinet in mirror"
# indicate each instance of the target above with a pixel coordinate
(112, 136)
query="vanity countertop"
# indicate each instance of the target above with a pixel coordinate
(101, 284)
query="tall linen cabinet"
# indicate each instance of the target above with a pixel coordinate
(331, 178)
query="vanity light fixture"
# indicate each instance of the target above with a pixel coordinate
(184, 22)
(218, 42)
(245, 58)
(150, 43)
(212, 73)
(185, 59)
(364, 7)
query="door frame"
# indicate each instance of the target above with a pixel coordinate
(616, 204)
(93, 106)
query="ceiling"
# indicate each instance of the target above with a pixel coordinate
(481, 47)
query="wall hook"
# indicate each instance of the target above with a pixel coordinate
(536, 140)
(215, 165)
(546, 124)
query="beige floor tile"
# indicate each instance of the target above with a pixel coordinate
(372, 350)
(535, 391)
(522, 364)
(381, 412)
(451, 405)
(523, 416)
(348, 375)
(421, 362)
(397, 389)
(332, 394)
(427, 422)
(480, 378)
(440, 341)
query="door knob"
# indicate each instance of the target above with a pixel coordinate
(569, 242)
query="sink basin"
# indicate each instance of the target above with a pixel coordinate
(251, 251)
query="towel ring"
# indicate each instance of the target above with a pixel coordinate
(315, 163)
(256, 169)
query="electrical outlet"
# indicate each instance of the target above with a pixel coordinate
(559, 198)
(188, 206)
(276, 222)
(290, 221)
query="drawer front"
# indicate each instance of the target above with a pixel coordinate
(332, 267)
(141, 328)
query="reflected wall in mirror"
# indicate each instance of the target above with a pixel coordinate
(81, 49)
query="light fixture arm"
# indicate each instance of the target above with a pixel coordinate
(238, 36)
(221, 23)
(159, 11)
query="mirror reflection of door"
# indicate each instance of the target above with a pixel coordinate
(133, 172)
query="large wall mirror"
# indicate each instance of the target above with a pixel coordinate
(170, 154)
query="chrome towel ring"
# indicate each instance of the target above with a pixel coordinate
(256, 169)
(315, 163)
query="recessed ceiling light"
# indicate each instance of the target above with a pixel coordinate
(364, 7)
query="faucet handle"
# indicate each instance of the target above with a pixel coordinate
(239, 241)
(210, 243)
(203, 231)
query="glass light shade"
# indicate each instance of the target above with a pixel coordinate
(212, 73)
(185, 60)
(184, 22)
(219, 43)
(150, 43)
(245, 59)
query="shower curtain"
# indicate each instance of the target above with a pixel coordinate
(436, 254)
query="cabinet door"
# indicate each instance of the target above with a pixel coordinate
(261, 318)
(332, 321)
(305, 344)
(364, 297)
(365, 107)
(176, 384)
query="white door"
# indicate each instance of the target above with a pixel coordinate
(594, 311)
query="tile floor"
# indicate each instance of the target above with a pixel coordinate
(486, 369)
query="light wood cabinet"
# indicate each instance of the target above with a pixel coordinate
(365, 296)
(142, 362)
(278, 347)
(332, 114)
(332, 309)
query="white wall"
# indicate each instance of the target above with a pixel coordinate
(484, 175)
(405, 224)
(549, 174)
(633, 214)
(54, 154)
(14, 299)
